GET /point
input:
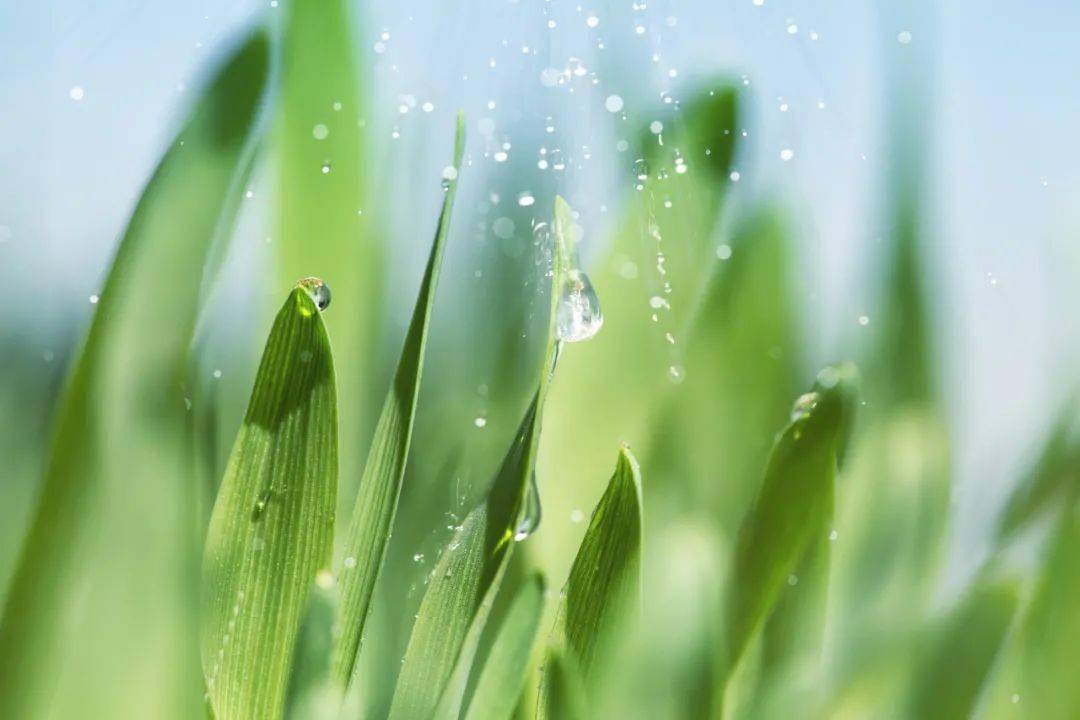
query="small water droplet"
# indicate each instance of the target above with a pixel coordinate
(317, 290)
(418, 557)
(793, 579)
(530, 520)
(325, 169)
(350, 562)
(833, 534)
(576, 516)
(260, 504)
(320, 132)
(526, 199)
(676, 374)
(641, 169)
(613, 103)
(480, 421)
(578, 316)
(804, 406)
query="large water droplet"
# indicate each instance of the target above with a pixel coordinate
(317, 290)
(641, 169)
(531, 519)
(578, 316)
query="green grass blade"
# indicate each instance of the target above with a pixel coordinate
(380, 486)
(604, 587)
(503, 675)
(951, 676)
(714, 430)
(1056, 475)
(466, 576)
(564, 697)
(120, 505)
(791, 509)
(272, 526)
(326, 210)
(605, 578)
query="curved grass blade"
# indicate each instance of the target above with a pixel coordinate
(951, 677)
(503, 675)
(604, 586)
(791, 508)
(466, 576)
(272, 526)
(116, 506)
(380, 486)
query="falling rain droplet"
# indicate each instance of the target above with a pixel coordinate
(317, 290)
(578, 316)
(531, 519)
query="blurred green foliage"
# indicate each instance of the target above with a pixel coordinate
(781, 552)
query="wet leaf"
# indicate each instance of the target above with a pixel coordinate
(272, 527)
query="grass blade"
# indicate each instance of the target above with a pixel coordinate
(606, 574)
(272, 526)
(380, 486)
(502, 676)
(116, 508)
(791, 509)
(605, 579)
(564, 698)
(326, 211)
(1056, 476)
(953, 673)
(466, 576)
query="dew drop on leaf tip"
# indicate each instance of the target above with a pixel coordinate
(317, 290)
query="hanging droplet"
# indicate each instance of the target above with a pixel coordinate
(531, 519)
(317, 290)
(578, 316)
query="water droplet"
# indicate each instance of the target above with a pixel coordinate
(1015, 698)
(904, 37)
(787, 154)
(592, 21)
(864, 320)
(804, 405)
(676, 374)
(793, 579)
(260, 504)
(76, 93)
(530, 520)
(320, 132)
(480, 421)
(418, 557)
(94, 299)
(324, 579)
(576, 516)
(723, 252)
(325, 169)
(526, 199)
(350, 562)
(613, 103)
(578, 316)
(317, 290)
(641, 169)
(833, 534)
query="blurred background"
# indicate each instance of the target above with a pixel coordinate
(861, 127)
